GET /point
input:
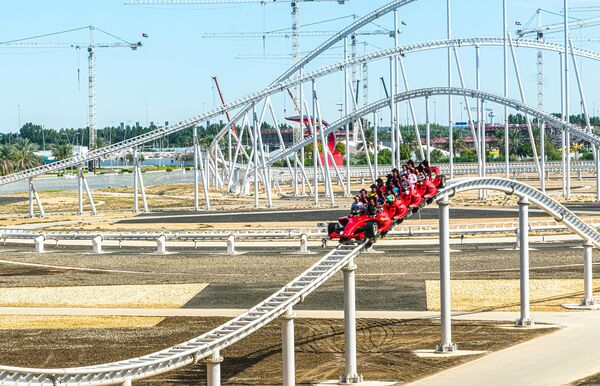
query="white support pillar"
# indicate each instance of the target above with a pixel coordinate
(588, 293)
(287, 348)
(196, 169)
(304, 243)
(97, 244)
(427, 130)
(446, 344)
(597, 159)
(31, 213)
(39, 243)
(255, 153)
(525, 319)
(136, 205)
(504, 33)
(231, 244)
(161, 244)
(346, 114)
(350, 375)
(126, 382)
(142, 188)
(89, 196)
(450, 130)
(80, 189)
(543, 156)
(213, 369)
(567, 97)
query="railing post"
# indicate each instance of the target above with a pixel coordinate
(525, 319)
(446, 344)
(161, 244)
(97, 244)
(39, 243)
(351, 371)
(231, 245)
(303, 243)
(588, 294)
(213, 369)
(287, 338)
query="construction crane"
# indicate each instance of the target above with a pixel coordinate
(295, 22)
(91, 47)
(540, 31)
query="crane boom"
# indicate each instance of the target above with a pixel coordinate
(557, 27)
(210, 2)
(284, 34)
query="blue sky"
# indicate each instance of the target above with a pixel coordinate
(171, 74)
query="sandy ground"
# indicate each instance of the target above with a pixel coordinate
(384, 348)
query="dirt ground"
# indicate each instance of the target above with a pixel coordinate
(384, 349)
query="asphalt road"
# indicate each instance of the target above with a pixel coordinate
(394, 280)
(324, 215)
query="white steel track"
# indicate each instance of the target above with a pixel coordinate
(276, 305)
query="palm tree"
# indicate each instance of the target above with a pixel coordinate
(62, 150)
(7, 154)
(25, 157)
(369, 138)
(458, 142)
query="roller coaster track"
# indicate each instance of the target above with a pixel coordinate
(276, 305)
(455, 91)
(273, 89)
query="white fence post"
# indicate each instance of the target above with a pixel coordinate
(303, 243)
(39, 243)
(97, 244)
(161, 244)
(231, 244)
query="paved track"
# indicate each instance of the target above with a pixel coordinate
(324, 215)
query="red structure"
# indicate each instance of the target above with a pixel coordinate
(306, 119)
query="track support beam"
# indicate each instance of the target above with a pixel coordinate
(525, 319)
(588, 293)
(350, 375)
(446, 344)
(287, 339)
(213, 369)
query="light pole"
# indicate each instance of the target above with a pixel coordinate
(19, 114)
(461, 111)
(435, 112)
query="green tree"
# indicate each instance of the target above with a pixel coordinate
(369, 139)
(25, 157)
(62, 150)
(437, 156)
(7, 155)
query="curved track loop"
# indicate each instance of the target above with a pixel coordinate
(537, 198)
(268, 310)
(425, 92)
(276, 88)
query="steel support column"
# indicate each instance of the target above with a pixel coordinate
(567, 96)
(525, 319)
(588, 293)
(213, 369)
(450, 129)
(446, 344)
(196, 171)
(351, 371)
(427, 130)
(287, 338)
(543, 156)
(80, 190)
(504, 33)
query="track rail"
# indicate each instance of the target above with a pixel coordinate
(194, 349)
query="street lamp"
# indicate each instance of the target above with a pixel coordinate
(461, 111)
(435, 112)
